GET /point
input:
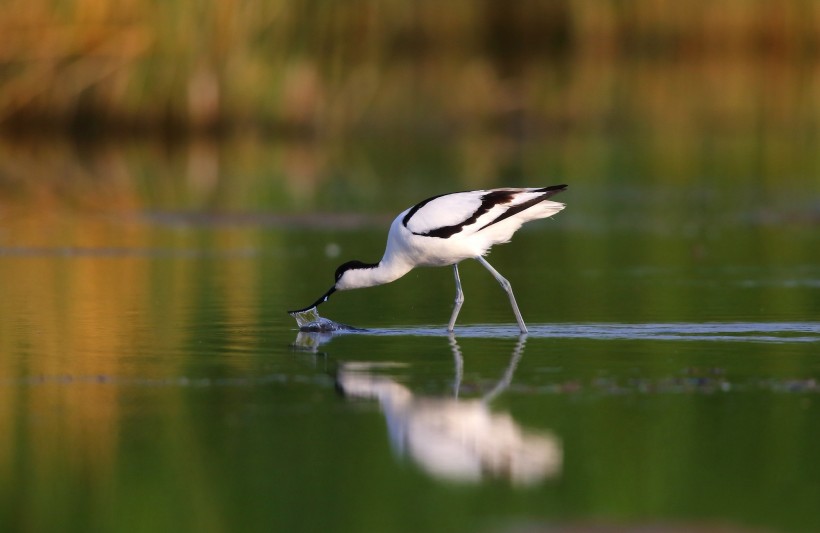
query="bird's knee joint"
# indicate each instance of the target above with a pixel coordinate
(459, 299)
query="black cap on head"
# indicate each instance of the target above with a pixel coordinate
(344, 267)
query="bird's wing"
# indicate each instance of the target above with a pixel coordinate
(446, 215)
(447, 210)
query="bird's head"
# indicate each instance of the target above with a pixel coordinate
(346, 278)
(354, 275)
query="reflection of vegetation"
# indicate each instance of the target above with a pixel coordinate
(632, 205)
(333, 67)
(773, 180)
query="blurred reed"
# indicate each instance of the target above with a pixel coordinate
(332, 68)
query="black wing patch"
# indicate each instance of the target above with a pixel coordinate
(488, 201)
(553, 189)
(548, 192)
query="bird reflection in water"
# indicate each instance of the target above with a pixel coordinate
(453, 438)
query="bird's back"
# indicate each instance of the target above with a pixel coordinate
(472, 211)
(449, 228)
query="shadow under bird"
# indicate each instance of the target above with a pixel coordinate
(444, 230)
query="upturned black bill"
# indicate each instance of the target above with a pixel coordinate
(318, 302)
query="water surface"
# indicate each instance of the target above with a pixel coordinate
(151, 379)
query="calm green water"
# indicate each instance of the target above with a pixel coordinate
(150, 379)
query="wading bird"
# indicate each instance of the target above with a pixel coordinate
(446, 229)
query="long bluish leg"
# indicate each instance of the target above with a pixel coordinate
(508, 288)
(459, 300)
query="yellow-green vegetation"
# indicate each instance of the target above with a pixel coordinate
(329, 68)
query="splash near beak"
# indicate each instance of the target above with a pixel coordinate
(318, 302)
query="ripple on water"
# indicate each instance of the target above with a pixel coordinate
(777, 332)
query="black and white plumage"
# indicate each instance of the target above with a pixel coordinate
(445, 230)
